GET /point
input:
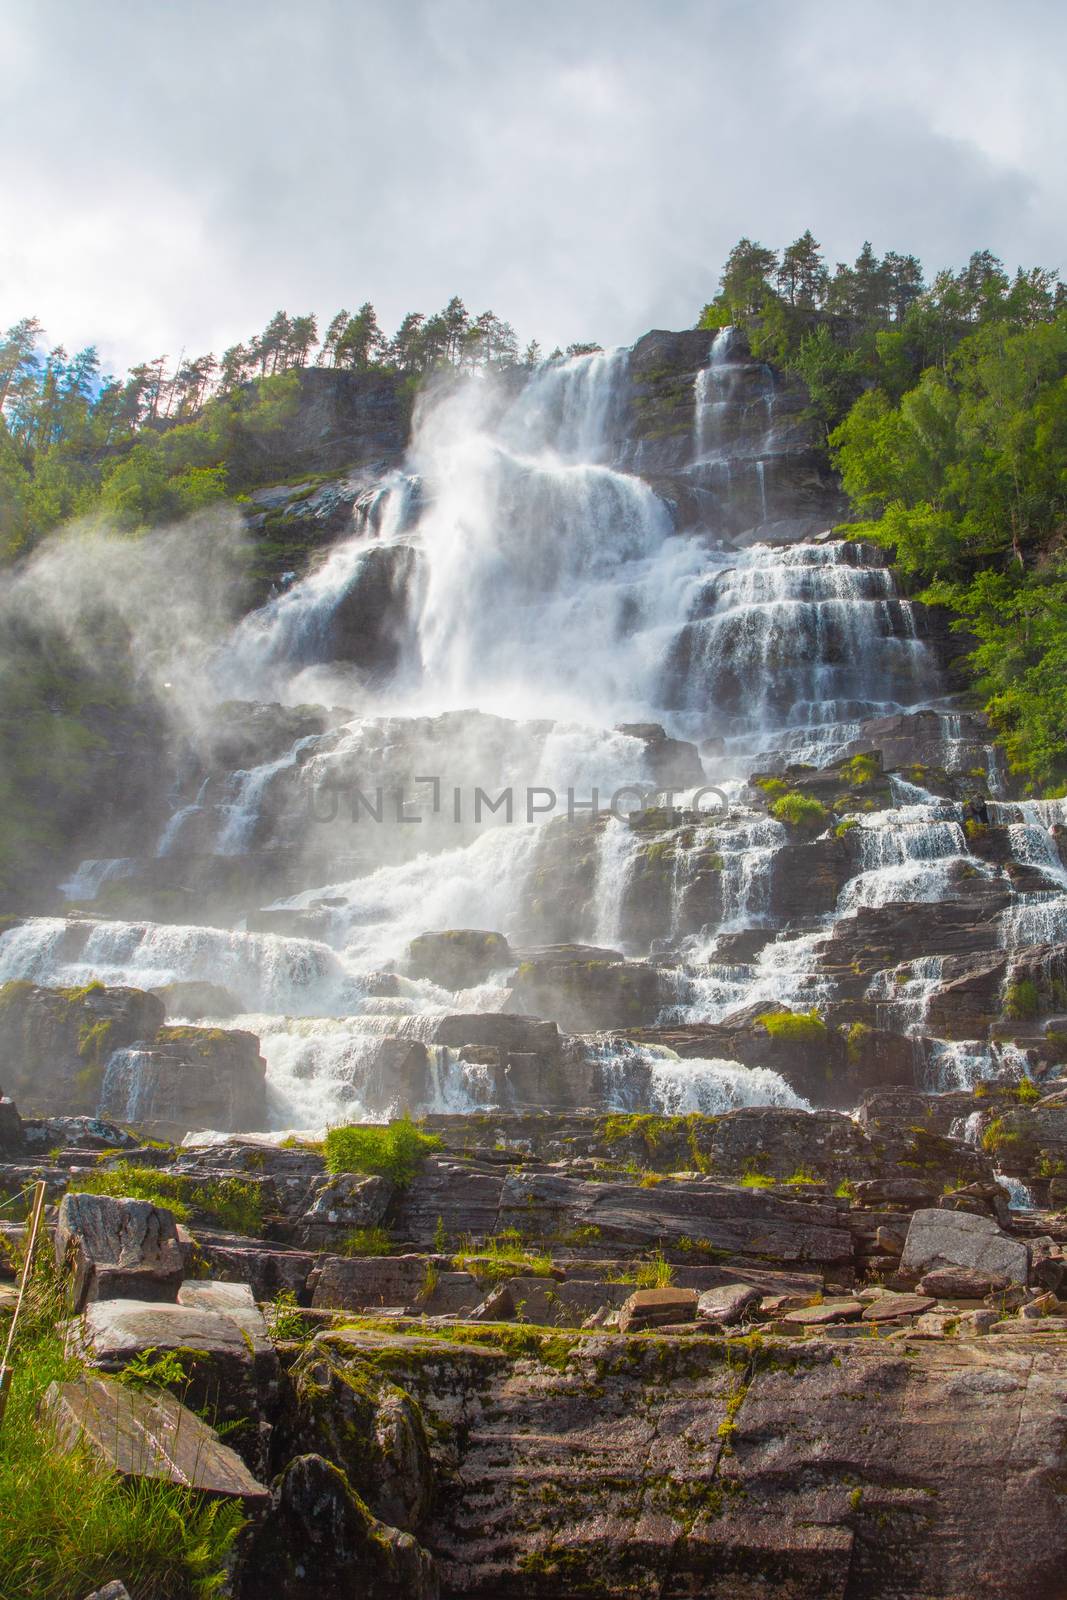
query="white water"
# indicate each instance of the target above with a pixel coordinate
(554, 590)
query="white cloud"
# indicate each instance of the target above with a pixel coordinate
(174, 174)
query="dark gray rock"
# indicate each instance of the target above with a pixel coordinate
(117, 1249)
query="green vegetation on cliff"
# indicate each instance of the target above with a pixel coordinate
(945, 409)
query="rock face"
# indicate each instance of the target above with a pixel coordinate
(735, 1458)
(580, 990)
(320, 1538)
(117, 1249)
(188, 1078)
(55, 1043)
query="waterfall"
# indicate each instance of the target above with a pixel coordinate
(638, 1077)
(89, 877)
(617, 848)
(712, 393)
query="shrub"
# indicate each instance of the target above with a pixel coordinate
(800, 811)
(861, 769)
(365, 1242)
(1027, 1092)
(799, 1025)
(772, 786)
(1021, 1000)
(396, 1151)
(857, 1035)
(757, 1180)
(845, 826)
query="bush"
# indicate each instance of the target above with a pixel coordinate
(396, 1151)
(802, 1025)
(1021, 1000)
(757, 1180)
(1027, 1092)
(800, 811)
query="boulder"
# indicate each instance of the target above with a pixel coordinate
(827, 1311)
(346, 1200)
(892, 1307)
(458, 958)
(581, 993)
(657, 1308)
(728, 1304)
(939, 1239)
(420, 1283)
(12, 1136)
(150, 1435)
(110, 1591)
(505, 1030)
(118, 1249)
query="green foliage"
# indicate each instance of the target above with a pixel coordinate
(799, 1025)
(801, 811)
(997, 1137)
(364, 1242)
(396, 1151)
(1022, 1001)
(861, 769)
(229, 1203)
(655, 1273)
(858, 1034)
(757, 1180)
(845, 826)
(1026, 1092)
(963, 476)
(284, 1318)
(70, 1525)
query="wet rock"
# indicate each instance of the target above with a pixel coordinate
(459, 958)
(938, 1239)
(657, 1308)
(580, 993)
(320, 1538)
(55, 1043)
(504, 1030)
(117, 1249)
(197, 1000)
(189, 1078)
(149, 1435)
(670, 763)
(267, 1269)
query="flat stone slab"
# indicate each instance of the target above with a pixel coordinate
(888, 1307)
(960, 1283)
(232, 1299)
(228, 1368)
(829, 1311)
(150, 1435)
(651, 1308)
(938, 1239)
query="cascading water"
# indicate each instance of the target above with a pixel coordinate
(524, 573)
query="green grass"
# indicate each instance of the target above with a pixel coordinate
(803, 1025)
(227, 1202)
(801, 811)
(501, 1257)
(364, 1242)
(757, 1180)
(1026, 1092)
(69, 1525)
(655, 1273)
(396, 1151)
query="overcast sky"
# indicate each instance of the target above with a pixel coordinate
(177, 170)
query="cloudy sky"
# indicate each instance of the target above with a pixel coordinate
(177, 170)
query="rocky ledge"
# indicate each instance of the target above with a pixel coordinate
(771, 1352)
